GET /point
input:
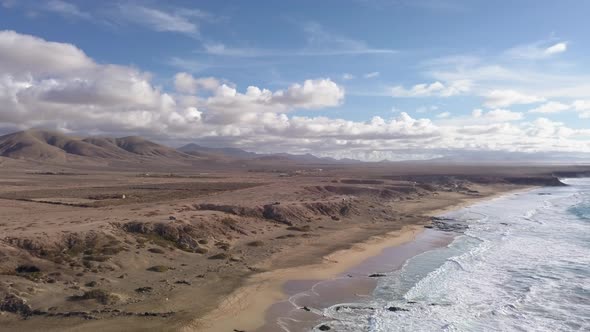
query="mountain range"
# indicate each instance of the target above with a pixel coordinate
(51, 146)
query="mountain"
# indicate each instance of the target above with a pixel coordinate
(56, 147)
(141, 146)
(43, 145)
(235, 153)
(47, 145)
(195, 149)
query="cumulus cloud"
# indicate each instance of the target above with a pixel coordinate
(434, 89)
(186, 83)
(312, 94)
(57, 86)
(505, 98)
(583, 107)
(25, 54)
(551, 107)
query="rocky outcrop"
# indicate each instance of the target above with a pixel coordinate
(545, 181)
(181, 235)
(449, 225)
(16, 305)
(67, 246)
(277, 213)
(231, 209)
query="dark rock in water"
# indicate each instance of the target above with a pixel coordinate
(306, 309)
(504, 223)
(428, 226)
(377, 275)
(411, 302)
(395, 309)
(16, 305)
(236, 330)
(324, 328)
(449, 225)
(338, 308)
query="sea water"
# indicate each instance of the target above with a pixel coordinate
(522, 265)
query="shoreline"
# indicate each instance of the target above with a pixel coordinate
(249, 304)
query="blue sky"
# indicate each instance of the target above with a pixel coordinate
(369, 79)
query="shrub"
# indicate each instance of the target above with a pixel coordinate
(158, 268)
(100, 295)
(220, 256)
(201, 251)
(156, 250)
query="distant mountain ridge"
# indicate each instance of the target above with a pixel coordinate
(196, 149)
(54, 146)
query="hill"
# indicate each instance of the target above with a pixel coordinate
(43, 145)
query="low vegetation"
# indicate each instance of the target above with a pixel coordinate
(159, 268)
(100, 295)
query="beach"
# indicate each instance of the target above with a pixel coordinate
(267, 299)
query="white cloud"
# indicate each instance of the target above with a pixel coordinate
(25, 54)
(181, 20)
(583, 107)
(551, 107)
(497, 115)
(319, 42)
(434, 89)
(557, 48)
(186, 83)
(347, 76)
(228, 105)
(504, 98)
(66, 9)
(537, 50)
(312, 94)
(372, 74)
(56, 85)
(425, 109)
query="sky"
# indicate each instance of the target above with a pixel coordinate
(363, 79)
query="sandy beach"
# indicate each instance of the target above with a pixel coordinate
(251, 306)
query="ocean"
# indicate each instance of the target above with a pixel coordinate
(523, 264)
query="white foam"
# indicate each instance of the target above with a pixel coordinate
(522, 265)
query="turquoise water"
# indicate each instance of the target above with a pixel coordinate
(523, 265)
